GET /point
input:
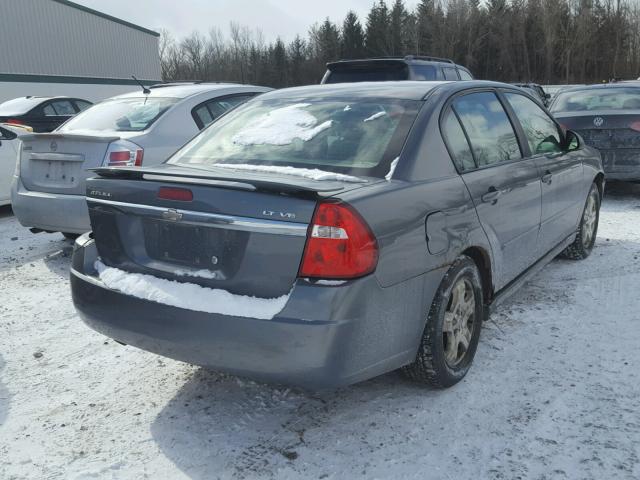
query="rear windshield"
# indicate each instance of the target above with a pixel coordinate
(120, 115)
(597, 99)
(19, 106)
(368, 74)
(357, 137)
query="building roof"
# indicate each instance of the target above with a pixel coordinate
(108, 17)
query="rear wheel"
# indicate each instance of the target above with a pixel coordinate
(70, 236)
(585, 239)
(451, 335)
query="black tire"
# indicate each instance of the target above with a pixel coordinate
(431, 365)
(70, 236)
(587, 230)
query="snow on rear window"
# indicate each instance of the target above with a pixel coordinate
(188, 295)
(313, 174)
(357, 137)
(281, 126)
(374, 116)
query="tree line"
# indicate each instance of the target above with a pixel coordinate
(543, 41)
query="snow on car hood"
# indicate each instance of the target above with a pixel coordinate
(188, 295)
(281, 127)
(313, 174)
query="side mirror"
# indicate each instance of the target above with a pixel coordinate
(571, 141)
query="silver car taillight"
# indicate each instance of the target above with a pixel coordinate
(123, 153)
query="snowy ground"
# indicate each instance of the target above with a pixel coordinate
(554, 392)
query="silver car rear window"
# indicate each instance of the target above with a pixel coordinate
(120, 115)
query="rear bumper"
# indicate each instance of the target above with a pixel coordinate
(326, 336)
(621, 164)
(49, 211)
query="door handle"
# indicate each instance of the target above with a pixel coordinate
(547, 177)
(491, 196)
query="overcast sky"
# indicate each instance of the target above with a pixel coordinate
(284, 18)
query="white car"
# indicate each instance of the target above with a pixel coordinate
(9, 146)
(142, 127)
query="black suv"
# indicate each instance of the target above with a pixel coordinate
(43, 114)
(411, 67)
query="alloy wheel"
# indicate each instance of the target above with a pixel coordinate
(589, 220)
(458, 326)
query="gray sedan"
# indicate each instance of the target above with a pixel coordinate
(138, 128)
(323, 235)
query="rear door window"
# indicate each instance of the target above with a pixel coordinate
(82, 105)
(49, 111)
(205, 113)
(493, 139)
(63, 107)
(464, 75)
(456, 141)
(450, 73)
(542, 133)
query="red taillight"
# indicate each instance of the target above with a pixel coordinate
(123, 153)
(14, 121)
(635, 126)
(119, 157)
(339, 244)
(180, 194)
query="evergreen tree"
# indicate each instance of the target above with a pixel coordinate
(352, 44)
(398, 37)
(377, 41)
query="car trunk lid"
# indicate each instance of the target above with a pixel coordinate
(239, 232)
(605, 130)
(58, 163)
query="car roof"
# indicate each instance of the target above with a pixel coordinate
(402, 90)
(184, 90)
(601, 86)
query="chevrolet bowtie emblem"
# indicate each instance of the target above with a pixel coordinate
(172, 215)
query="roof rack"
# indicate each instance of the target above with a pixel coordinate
(428, 58)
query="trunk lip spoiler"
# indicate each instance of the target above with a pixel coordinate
(282, 186)
(215, 220)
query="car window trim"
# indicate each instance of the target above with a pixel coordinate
(205, 103)
(449, 109)
(468, 91)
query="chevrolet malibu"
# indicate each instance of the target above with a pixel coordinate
(323, 235)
